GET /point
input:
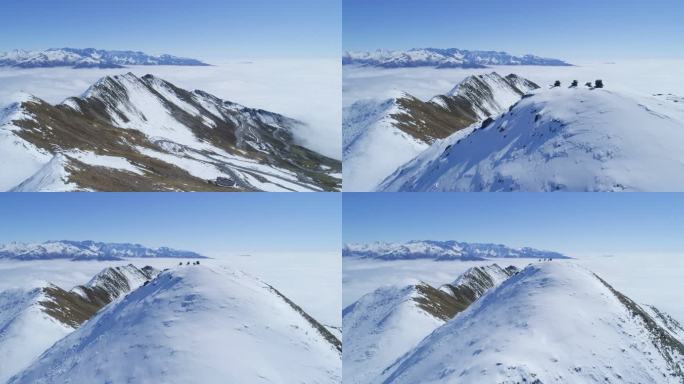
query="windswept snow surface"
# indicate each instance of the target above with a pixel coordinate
(379, 328)
(25, 330)
(374, 146)
(558, 140)
(553, 322)
(648, 278)
(192, 324)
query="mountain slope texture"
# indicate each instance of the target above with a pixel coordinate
(379, 137)
(32, 321)
(382, 325)
(194, 324)
(558, 140)
(554, 322)
(129, 133)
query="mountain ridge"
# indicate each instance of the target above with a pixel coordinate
(88, 250)
(88, 58)
(443, 250)
(130, 133)
(442, 58)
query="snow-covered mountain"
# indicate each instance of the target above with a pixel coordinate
(32, 321)
(87, 58)
(129, 133)
(379, 137)
(87, 250)
(443, 58)
(559, 140)
(194, 324)
(551, 322)
(384, 324)
(443, 250)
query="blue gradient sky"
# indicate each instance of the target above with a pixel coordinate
(212, 223)
(575, 223)
(577, 29)
(205, 29)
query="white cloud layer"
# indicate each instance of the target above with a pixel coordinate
(305, 89)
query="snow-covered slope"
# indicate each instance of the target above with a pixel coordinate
(384, 324)
(25, 330)
(554, 322)
(87, 58)
(378, 137)
(129, 133)
(194, 324)
(87, 250)
(558, 140)
(443, 58)
(442, 250)
(32, 321)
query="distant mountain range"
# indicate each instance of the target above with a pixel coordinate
(88, 250)
(88, 58)
(443, 250)
(443, 58)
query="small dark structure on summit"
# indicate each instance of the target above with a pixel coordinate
(598, 84)
(574, 84)
(556, 84)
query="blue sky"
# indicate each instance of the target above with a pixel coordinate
(206, 222)
(577, 29)
(576, 223)
(206, 29)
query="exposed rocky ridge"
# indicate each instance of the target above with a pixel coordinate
(129, 133)
(32, 321)
(88, 58)
(75, 307)
(382, 325)
(185, 321)
(560, 139)
(443, 58)
(406, 125)
(591, 334)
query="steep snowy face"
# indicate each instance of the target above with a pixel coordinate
(87, 58)
(557, 140)
(134, 133)
(384, 324)
(442, 250)
(87, 250)
(552, 322)
(194, 324)
(443, 58)
(381, 136)
(32, 321)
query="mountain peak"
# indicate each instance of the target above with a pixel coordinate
(496, 338)
(188, 319)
